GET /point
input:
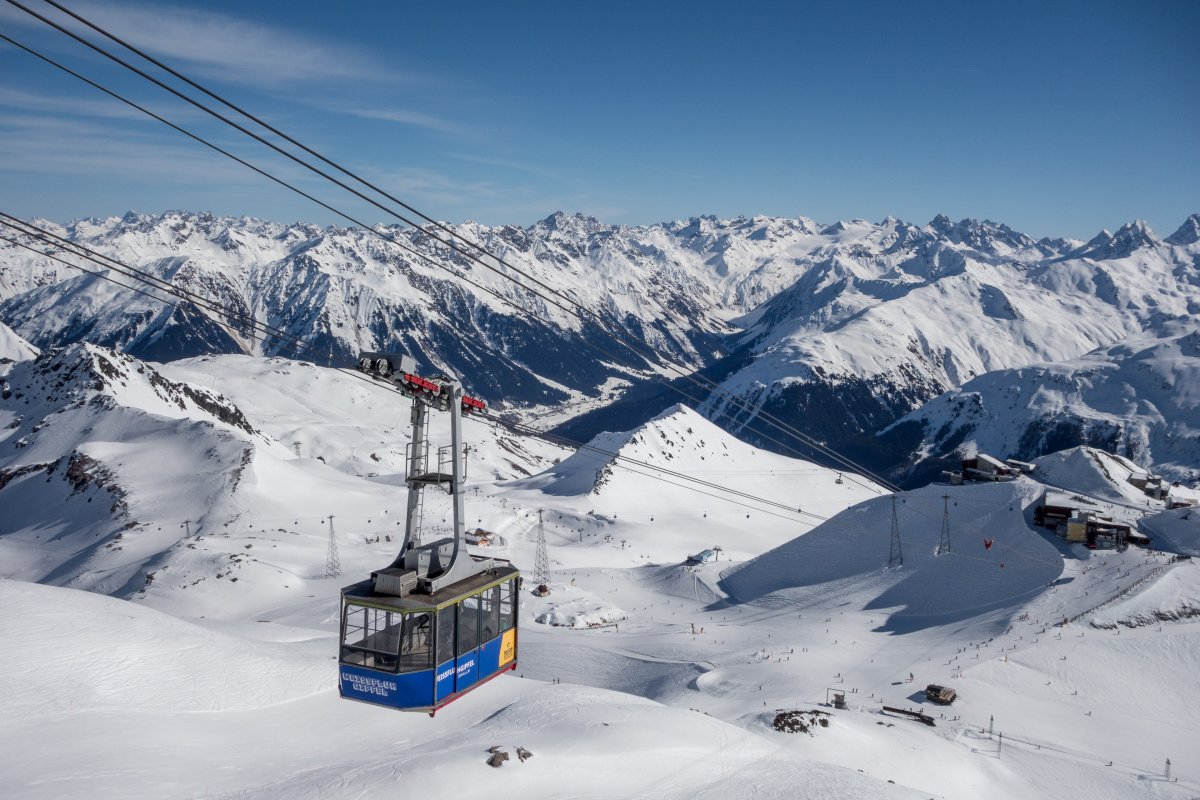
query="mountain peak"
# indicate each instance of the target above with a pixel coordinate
(982, 235)
(1188, 232)
(570, 224)
(1101, 239)
(1138, 227)
(1130, 237)
(941, 223)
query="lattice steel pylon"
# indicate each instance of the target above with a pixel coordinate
(333, 562)
(895, 556)
(944, 542)
(541, 562)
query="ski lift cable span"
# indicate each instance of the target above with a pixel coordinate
(245, 319)
(188, 296)
(580, 312)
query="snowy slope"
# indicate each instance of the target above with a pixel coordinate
(119, 479)
(854, 549)
(639, 675)
(748, 499)
(348, 421)
(1139, 398)
(13, 348)
(272, 726)
(59, 659)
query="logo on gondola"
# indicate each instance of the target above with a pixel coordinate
(465, 667)
(366, 684)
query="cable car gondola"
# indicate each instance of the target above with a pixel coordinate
(438, 621)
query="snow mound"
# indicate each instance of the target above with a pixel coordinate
(1092, 472)
(60, 656)
(573, 608)
(849, 555)
(1171, 596)
(678, 439)
(683, 470)
(1175, 531)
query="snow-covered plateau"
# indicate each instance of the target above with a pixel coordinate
(170, 626)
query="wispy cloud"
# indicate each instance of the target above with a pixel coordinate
(533, 169)
(408, 117)
(53, 145)
(64, 104)
(433, 187)
(228, 47)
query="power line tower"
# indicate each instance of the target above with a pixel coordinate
(944, 542)
(333, 562)
(541, 562)
(895, 557)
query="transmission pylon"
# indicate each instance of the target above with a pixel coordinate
(944, 542)
(895, 557)
(333, 562)
(541, 562)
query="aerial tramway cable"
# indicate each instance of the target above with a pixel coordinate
(297, 344)
(610, 327)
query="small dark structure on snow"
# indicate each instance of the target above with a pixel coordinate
(915, 715)
(986, 468)
(942, 695)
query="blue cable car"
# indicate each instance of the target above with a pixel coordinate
(419, 652)
(438, 621)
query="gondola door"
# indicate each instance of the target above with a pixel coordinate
(467, 671)
(447, 640)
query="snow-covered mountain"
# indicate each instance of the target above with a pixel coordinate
(839, 330)
(135, 481)
(680, 466)
(1138, 397)
(884, 323)
(673, 288)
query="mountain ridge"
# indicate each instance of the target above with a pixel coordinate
(864, 321)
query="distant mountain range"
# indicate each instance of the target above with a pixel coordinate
(844, 331)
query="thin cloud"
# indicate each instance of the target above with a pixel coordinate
(533, 169)
(75, 106)
(58, 146)
(435, 187)
(228, 47)
(407, 117)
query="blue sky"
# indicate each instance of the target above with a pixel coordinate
(1056, 118)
